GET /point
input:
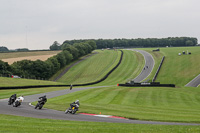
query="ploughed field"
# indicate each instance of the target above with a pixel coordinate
(12, 57)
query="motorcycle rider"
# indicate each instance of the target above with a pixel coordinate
(12, 98)
(19, 100)
(43, 99)
(74, 103)
(71, 87)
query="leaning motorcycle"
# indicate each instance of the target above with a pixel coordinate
(11, 100)
(16, 103)
(40, 104)
(72, 110)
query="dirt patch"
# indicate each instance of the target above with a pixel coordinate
(32, 58)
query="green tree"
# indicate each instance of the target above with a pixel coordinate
(55, 64)
(55, 46)
(5, 69)
(74, 51)
(61, 59)
(3, 49)
(189, 43)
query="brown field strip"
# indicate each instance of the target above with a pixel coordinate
(32, 58)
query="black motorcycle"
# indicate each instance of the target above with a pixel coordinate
(40, 104)
(11, 100)
(16, 103)
(72, 109)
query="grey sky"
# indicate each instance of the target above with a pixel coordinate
(36, 24)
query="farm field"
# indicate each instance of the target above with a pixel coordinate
(17, 56)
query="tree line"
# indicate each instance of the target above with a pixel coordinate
(139, 42)
(45, 69)
(5, 49)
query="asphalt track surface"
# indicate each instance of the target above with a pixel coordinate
(28, 111)
(149, 64)
(195, 82)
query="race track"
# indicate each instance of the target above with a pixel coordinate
(28, 111)
(148, 67)
(195, 82)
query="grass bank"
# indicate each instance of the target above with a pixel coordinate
(14, 124)
(93, 68)
(130, 67)
(177, 69)
(4, 81)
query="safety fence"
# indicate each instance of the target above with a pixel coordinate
(151, 84)
(156, 74)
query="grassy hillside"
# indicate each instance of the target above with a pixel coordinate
(179, 70)
(130, 67)
(93, 68)
(14, 124)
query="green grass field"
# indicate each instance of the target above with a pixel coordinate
(93, 68)
(24, 124)
(131, 66)
(157, 104)
(102, 63)
(179, 70)
(5, 81)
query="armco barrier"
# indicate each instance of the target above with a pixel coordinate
(40, 86)
(154, 78)
(147, 85)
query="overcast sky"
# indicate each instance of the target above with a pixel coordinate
(36, 24)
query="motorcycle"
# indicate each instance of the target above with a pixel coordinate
(11, 100)
(40, 104)
(16, 103)
(72, 110)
